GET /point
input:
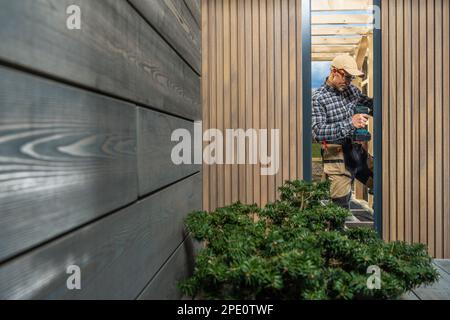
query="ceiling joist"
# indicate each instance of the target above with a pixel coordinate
(320, 40)
(340, 5)
(342, 19)
(320, 31)
(333, 49)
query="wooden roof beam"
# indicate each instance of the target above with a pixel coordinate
(340, 5)
(323, 40)
(333, 49)
(342, 19)
(325, 56)
(320, 31)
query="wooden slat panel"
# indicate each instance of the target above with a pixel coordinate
(164, 286)
(256, 94)
(227, 93)
(415, 46)
(263, 50)
(318, 40)
(416, 122)
(393, 117)
(399, 127)
(271, 87)
(342, 19)
(285, 88)
(235, 184)
(242, 78)
(322, 31)
(155, 164)
(431, 105)
(195, 6)
(446, 127)
(205, 93)
(115, 52)
(423, 120)
(438, 125)
(278, 87)
(408, 120)
(248, 92)
(220, 95)
(173, 20)
(293, 143)
(117, 255)
(340, 5)
(68, 157)
(262, 90)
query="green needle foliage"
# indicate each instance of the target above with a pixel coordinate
(298, 248)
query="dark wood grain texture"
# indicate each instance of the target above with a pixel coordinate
(117, 255)
(196, 10)
(164, 80)
(115, 52)
(173, 20)
(155, 163)
(67, 156)
(178, 268)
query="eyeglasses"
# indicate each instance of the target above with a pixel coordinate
(348, 77)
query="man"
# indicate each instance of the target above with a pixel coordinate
(334, 122)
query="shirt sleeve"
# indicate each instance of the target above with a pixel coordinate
(329, 132)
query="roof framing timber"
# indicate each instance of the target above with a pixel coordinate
(323, 40)
(333, 49)
(342, 19)
(340, 5)
(319, 31)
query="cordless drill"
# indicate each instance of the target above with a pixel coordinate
(362, 134)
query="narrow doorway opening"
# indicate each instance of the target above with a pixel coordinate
(339, 28)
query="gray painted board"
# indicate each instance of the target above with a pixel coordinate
(164, 80)
(115, 52)
(155, 163)
(195, 8)
(179, 267)
(117, 255)
(175, 23)
(67, 156)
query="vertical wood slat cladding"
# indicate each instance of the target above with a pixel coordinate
(115, 52)
(252, 79)
(416, 124)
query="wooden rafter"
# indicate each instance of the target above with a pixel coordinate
(340, 5)
(342, 19)
(318, 31)
(334, 49)
(322, 40)
(325, 56)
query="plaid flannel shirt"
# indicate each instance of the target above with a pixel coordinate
(333, 111)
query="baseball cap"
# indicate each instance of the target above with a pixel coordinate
(347, 63)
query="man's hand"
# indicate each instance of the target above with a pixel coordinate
(360, 121)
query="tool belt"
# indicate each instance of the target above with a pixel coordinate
(358, 163)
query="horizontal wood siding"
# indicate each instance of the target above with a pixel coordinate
(117, 255)
(416, 123)
(86, 121)
(252, 79)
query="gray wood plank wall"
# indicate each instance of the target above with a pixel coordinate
(86, 176)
